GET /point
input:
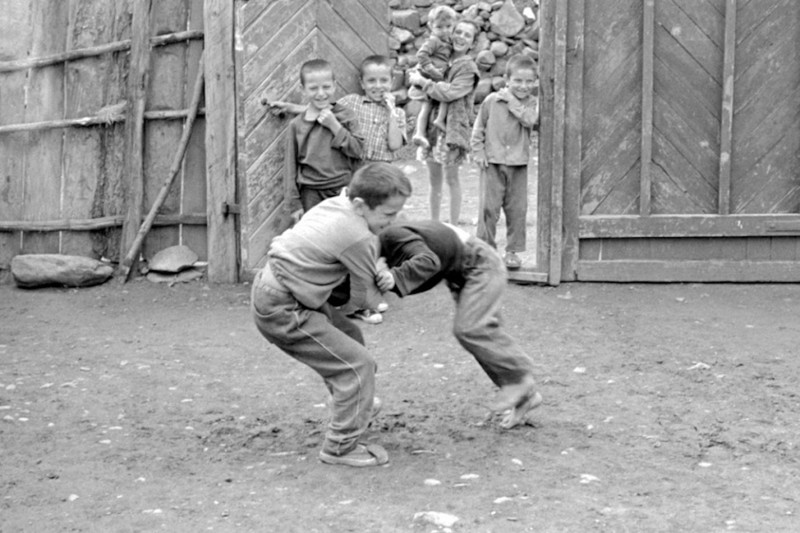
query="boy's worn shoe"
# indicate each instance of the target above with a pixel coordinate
(519, 414)
(513, 262)
(368, 315)
(362, 455)
(382, 307)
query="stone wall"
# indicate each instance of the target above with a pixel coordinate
(507, 27)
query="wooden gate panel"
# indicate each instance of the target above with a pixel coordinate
(276, 38)
(701, 183)
(611, 93)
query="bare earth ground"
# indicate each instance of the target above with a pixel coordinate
(145, 407)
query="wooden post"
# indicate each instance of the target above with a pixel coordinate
(134, 124)
(645, 178)
(559, 119)
(726, 129)
(220, 140)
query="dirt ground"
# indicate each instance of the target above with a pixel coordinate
(149, 407)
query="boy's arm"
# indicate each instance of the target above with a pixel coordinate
(412, 262)
(291, 198)
(348, 138)
(396, 129)
(478, 138)
(361, 261)
(527, 115)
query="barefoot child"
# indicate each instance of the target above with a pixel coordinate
(420, 255)
(434, 58)
(290, 305)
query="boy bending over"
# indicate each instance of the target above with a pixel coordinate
(290, 305)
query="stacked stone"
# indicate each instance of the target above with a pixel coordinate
(508, 27)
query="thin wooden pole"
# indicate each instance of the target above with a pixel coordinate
(648, 52)
(94, 224)
(138, 78)
(94, 51)
(165, 114)
(726, 128)
(130, 257)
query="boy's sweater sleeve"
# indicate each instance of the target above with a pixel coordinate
(527, 115)
(349, 139)
(443, 91)
(426, 51)
(361, 261)
(412, 262)
(477, 141)
(291, 200)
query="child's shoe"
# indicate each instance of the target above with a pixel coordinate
(513, 262)
(420, 140)
(368, 315)
(382, 307)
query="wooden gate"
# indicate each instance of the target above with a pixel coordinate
(274, 37)
(671, 139)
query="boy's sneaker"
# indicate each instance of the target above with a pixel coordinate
(368, 315)
(382, 307)
(513, 262)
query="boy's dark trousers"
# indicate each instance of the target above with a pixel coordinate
(331, 344)
(504, 187)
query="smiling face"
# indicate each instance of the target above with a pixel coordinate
(319, 88)
(463, 37)
(521, 82)
(382, 215)
(376, 80)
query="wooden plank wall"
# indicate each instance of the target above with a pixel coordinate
(277, 36)
(76, 173)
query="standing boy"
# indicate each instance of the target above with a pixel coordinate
(420, 255)
(501, 139)
(290, 296)
(323, 143)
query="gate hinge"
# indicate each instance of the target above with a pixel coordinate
(230, 209)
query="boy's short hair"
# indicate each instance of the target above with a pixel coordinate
(520, 61)
(314, 65)
(379, 60)
(377, 182)
(441, 12)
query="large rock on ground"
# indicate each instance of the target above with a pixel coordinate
(43, 270)
(173, 259)
(507, 21)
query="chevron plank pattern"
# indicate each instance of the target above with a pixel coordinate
(276, 37)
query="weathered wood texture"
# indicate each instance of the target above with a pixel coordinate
(76, 173)
(689, 108)
(276, 37)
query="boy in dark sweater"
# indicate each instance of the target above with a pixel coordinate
(334, 239)
(323, 144)
(420, 255)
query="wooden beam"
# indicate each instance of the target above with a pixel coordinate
(94, 51)
(559, 119)
(221, 169)
(648, 55)
(99, 223)
(726, 129)
(574, 140)
(660, 226)
(166, 114)
(629, 271)
(138, 77)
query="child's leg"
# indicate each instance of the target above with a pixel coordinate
(492, 191)
(421, 125)
(515, 206)
(436, 181)
(454, 189)
(335, 353)
(478, 327)
(441, 116)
